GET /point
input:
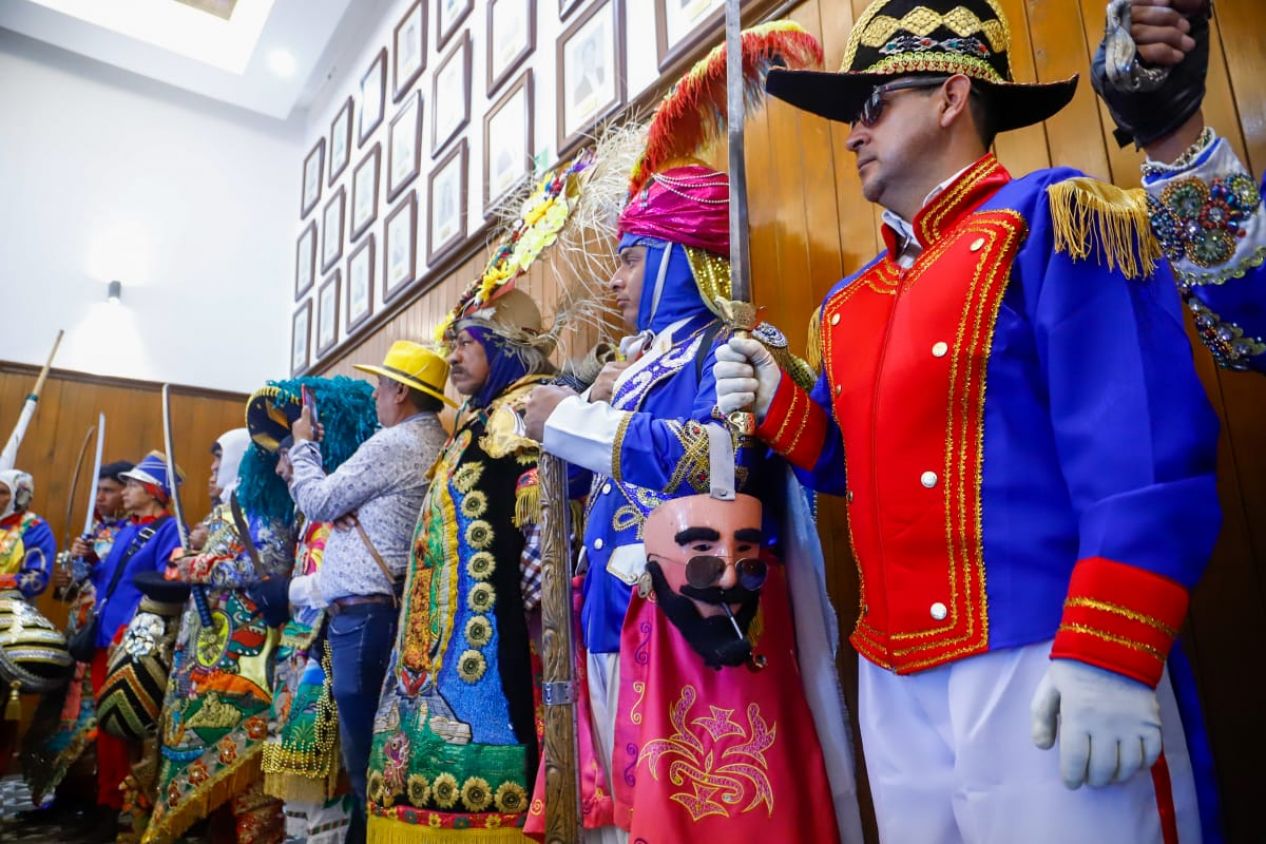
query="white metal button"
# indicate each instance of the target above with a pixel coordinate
(606, 488)
(849, 496)
(835, 319)
(939, 349)
(928, 479)
(597, 544)
(977, 244)
(939, 611)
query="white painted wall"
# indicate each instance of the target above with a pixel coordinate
(190, 203)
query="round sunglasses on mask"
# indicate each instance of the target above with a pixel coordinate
(703, 571)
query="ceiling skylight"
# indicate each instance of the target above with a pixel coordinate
(195, 30)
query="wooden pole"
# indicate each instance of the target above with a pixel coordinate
(562, 786)
(9, 456)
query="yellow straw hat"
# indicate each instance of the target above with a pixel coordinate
(416, 366)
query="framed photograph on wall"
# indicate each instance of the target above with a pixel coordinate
(301, 338)
(404, 146)
(451, 14)
(365, 191)
(305, 260)
(327, 315)
(566, 7)
(373, 97)
(508, 142)
(450, 98)
(400, 247)
(408, 59)
(332, 230)
(340, 141)
(681, 24)
(312, 166)
(590, 71)
(360, 285)
(511, 38)
(446, 204)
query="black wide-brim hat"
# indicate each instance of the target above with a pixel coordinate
(896, 38)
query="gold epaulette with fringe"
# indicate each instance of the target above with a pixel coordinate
(813, 345)
(1113, 222)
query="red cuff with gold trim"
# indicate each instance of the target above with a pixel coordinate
(795, 426)
(1120, 618)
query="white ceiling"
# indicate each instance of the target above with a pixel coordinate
(231, 61)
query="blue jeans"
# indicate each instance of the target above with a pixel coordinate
(361, 638)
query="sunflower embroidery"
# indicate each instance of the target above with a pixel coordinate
(481, 597)
(480, 565)
(478, 631)
(474, 504)
(476, 794)
(373, 788)
(511, 797)
(444, 790)
(471, 666)
(479, 535)
(419, 790)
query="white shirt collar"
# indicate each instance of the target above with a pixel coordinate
(907, 240)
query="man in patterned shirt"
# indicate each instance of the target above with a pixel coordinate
(374, 497)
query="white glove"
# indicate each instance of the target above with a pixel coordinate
(304, 592)
(1109, 726)
(747, 377)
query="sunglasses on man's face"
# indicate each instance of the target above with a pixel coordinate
(873, 108)
(703, 571)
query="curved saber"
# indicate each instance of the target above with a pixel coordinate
(64, 558)
(177, 511)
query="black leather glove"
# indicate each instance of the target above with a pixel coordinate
(1147, 116)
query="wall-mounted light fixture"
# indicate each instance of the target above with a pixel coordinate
(114, 291)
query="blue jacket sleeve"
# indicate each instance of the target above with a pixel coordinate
(41, 553)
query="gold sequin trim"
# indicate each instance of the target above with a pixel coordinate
(712, 276)
(1124, 612)
(1113, 638)
(617, 446)
(874, 29)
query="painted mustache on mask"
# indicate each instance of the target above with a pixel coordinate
(715, 638)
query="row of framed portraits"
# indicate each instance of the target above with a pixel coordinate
(436, 218)
(432, 118)
(590, 61)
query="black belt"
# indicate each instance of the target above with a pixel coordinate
(343, 604)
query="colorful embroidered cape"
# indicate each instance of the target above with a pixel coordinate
(215, 713)
(455, 737)
(707, 755)
(301, 763)
(27, 552)
(62, 728)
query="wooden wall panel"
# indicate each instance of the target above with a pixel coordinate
(810, 225)
(134, 426)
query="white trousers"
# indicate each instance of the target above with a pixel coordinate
(604, 699)
(951, 761)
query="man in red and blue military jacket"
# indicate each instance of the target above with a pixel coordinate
(1030, 455)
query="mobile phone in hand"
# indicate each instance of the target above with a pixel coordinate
(309, 401)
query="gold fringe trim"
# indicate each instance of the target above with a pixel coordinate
(1086, 212)
(211, 795)
(295, 788)
(382, 830)
(527, 505)
(813, 345)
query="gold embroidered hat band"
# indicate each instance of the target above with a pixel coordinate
(897, 38)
